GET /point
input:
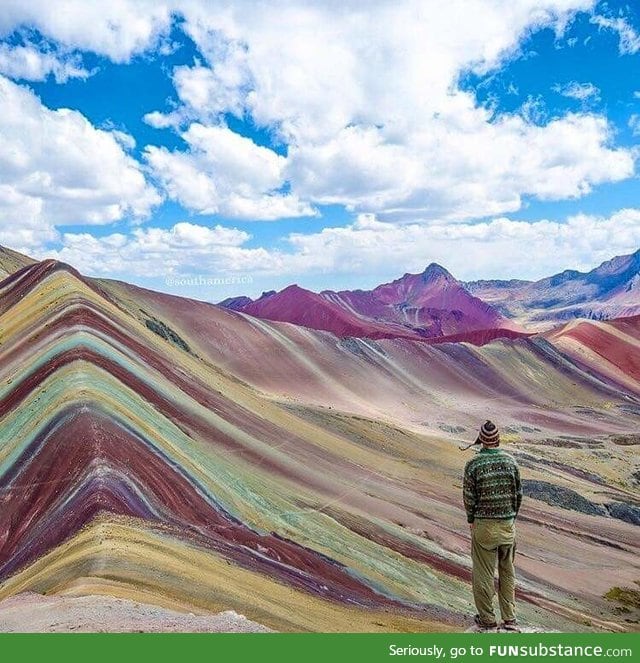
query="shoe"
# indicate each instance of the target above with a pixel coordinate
(510, 625)
(482, 625)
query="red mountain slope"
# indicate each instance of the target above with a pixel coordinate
(430, 305)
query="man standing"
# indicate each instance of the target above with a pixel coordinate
(492, 495)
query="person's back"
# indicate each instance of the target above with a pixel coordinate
(492, 485)
(492, 496)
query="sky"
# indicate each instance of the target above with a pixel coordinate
(212, 149)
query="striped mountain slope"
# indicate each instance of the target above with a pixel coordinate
(172, 452)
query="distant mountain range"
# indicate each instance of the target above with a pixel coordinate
(432, 304)
(611, 290)
(435, 305)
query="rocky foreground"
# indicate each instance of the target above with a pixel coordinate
(34, 613)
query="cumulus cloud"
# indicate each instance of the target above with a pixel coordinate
(32, 64)
(368, 106)
(220, 88)
(22, 225)
(374, 118)
(57, 168)
(500, 248)
(367, 251)
(225, 173)
(366, 102)
(117, 30)
(485, 169)
(160, 120)
(206, 93)
(151, 252)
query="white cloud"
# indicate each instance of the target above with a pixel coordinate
(367, 102)
(225, 173)
(22, 225)
(151, 252)
(127, 141)
(374, 119)
(634, 124)
(160, 120)
(366, 251)
(629, 39)
(190, 236)
(118, 29)
(218, 89)
(534, 110)
(578, 91)
(123, 28)
(314, 71)
(31, 64)
(480, 169)
(57, 168)
(500, 248)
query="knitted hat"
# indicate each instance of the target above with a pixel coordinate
(489, 435)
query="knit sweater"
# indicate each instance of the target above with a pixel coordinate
(492, 486)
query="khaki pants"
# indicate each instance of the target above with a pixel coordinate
(491, 540)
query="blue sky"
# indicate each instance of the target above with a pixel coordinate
(323, 144)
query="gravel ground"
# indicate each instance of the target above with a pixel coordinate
(34, 613)
(521, 629)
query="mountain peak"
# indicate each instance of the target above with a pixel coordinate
(294, 287)
(236, 303)
(435, 271)
(44, 268)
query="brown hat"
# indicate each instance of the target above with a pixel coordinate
(489, 435)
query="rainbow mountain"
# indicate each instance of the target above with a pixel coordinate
(184, 455)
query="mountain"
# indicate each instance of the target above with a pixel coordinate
(236, 303)
(317, 311)
(614, 344)
(430, 305)
(172, 452)
(611, 290)
(10, 261)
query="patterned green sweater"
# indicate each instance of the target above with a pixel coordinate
(492, 486)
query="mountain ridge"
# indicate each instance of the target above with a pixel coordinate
(429, 305)
(610, 290)
(434, 304)
(11, 260)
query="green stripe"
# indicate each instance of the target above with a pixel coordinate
(481, 462)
